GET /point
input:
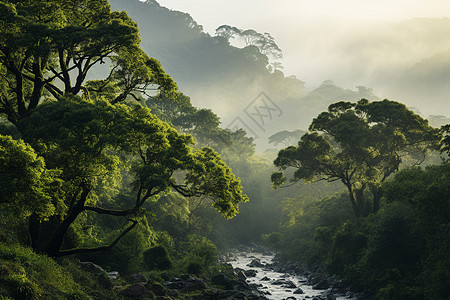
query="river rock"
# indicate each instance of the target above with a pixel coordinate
(91, 267)
(113, 275)
(186, 283)
(136, 291)
(193, 284)
(321, 285)
(224, 281)
(256, 263)
(250, 273)
(289, 284)
(331, 297)
(138, 277)
(298, 291)
(265, 278)
(279, 282)
(241, 274)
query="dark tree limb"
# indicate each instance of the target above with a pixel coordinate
(100, 248)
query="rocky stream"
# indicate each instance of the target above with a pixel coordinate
(280, 279)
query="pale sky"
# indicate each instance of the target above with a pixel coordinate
(315, 34)
(212, 13)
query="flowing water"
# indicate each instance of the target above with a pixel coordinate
(266, 277)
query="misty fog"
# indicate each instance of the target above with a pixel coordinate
(398, 51)
(198, 149)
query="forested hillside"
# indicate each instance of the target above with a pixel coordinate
(226, 76)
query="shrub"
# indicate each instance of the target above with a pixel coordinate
(157, 258)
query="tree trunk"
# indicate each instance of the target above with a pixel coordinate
(33, 229)
(353, 199)
(377, 194)
(54, 245)
(360, 201)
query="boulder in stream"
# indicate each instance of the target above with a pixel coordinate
(331, 297)
(279, 282)
(186, 283)
(289, 284)
(256, 263)
(322, 285)
(250, 273)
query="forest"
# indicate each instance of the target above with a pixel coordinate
(114, 184)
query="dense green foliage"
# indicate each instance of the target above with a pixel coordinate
(27, 185)
(95, 149)
(83, 174)
(126, 172)
(361, 145)
(27, 275)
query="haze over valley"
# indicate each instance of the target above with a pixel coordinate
(400, 56)
(226, 150)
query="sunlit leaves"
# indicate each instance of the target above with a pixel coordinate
(91, 142)
(51, 46)
(210, 176)
(360, 144)
(26, 185)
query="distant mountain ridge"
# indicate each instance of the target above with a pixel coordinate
(228, 80)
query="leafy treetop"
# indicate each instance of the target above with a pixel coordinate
(360, 144)
(93, 144)
(50, 47)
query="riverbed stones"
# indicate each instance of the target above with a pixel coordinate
(241, 274)
(279, 282)
(331, 297)
(289, 284)
(330, 287)
(321, 285)
(224, 281)
(138, 277)
(186, 283)
(250, 273)
(113, 275)
(255, 263)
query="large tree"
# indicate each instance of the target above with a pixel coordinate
(98, 146)
(359, 144)
(88, 147)
(49, 47)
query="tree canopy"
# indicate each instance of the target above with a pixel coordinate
(49, 47)
(27, 185)
(94, 144)
(286, 137)
(359, 144)
(87, 149)
(264, 42)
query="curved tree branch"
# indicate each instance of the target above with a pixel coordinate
(100, 248)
